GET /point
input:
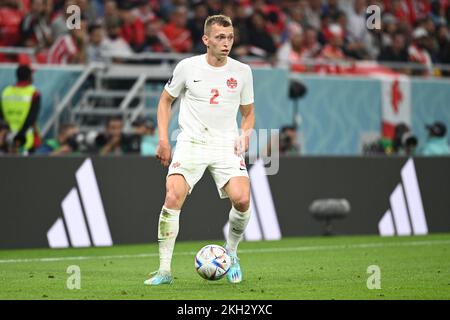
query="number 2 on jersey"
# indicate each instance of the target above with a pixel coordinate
(215, 94)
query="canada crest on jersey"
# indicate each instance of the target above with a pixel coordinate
(232, 83)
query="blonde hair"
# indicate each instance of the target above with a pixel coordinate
(219, 19)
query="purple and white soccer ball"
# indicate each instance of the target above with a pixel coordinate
(212, 262)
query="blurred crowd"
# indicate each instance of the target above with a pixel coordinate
(69, 140)
(283, 32)
(20, 105)
(406, 143)
(287, 33)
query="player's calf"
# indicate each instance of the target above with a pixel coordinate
(176, 191)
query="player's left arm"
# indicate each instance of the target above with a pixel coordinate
(247, 109)
(247, 123)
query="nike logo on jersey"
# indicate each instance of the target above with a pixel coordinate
(197, 80)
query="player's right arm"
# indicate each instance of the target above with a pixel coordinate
(172, 90)
(163, 151)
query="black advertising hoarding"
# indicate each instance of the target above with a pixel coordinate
(80, 202)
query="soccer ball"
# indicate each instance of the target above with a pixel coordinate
(212, 262)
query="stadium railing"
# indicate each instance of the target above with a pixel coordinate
(312, 65)
(67, 100)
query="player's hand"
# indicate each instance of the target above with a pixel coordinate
(241, 144)
(163, 153)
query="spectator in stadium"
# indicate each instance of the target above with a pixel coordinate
(275, 19)
(145, 129)
(240, 48)
(132, 30)
(409, 145)
(313, 13)
(438, 12)
(10, 18)
(390, 28)
(356, 17)
(399, 16)
(4, 131)
(99, 9)
(428, 24)
(404, 141)
(144, 12)
(291, 55)
(114, 44)
(113, 141)
(431, 43)
(360, 42)
(296, 15)
(88, 10)
(155, 40)
(324, 32)
(228, 9)
(443, 35)
(177, 32)
(397, 51)
(261, 43)
(331, 8)
(65, 143)
(95, 48)
(35, 27)
(436, 143)
(240, 23)
(19, 108)
(111, 13)
(418, 53)
(70, 48)
(311, 43)
(406, 11)
(351, 48)
(294, 20)
(59, 21)
(214, 7)
(333, 49)
(196, 24)
(240, 45)
(288, 141)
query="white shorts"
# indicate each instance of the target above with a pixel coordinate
(190, 159)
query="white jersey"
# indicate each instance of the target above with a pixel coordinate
(210, 99)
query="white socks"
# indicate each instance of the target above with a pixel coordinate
(167, 233)
(238, 222)
(168, 230)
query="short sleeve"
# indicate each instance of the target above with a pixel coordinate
(177, 81)
(247, 90)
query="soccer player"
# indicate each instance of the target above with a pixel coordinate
(212, 87)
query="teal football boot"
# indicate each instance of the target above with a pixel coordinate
(234, 274)
(157, 278)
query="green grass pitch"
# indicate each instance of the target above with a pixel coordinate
(293, 268)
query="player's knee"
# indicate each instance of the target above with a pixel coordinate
(242, 203)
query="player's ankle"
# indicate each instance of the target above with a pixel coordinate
(164, 272)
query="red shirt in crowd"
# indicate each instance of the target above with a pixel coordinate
(332, 53)
(10, 27)
(134, 33)
(179, 38)
(409, 10)
(63, 50)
